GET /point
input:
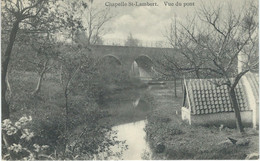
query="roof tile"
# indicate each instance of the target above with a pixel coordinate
(206, 98)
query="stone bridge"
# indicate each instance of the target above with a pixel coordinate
(138, 61)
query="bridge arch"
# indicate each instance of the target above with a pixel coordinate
(144, 61)
(144, 57)
(110, 69)
(142, 67)
(110, 58)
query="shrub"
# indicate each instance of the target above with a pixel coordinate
(22, 147)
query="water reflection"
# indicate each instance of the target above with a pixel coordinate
(136, 102)
(134, 135)
(129, 110)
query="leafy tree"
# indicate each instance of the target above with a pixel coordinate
(41, 18)
(131, 41)
(21, 15)
(36, 25)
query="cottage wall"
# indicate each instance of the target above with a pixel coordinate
(227, 119)
(185, 114)
(252, 101)
(256, 115)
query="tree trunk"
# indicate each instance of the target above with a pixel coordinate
(38, 87)
(66, 119)
(181, 85)
(7, 141)
(197, 73)
(175, 87)
(66, 106)
(234, 104)
(8, 84)
(5, 62)
(61, 74)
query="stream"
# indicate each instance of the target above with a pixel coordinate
(132, 129)
(134, 135)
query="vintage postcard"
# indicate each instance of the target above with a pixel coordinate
(130, 79)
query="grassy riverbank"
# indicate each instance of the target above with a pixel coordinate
(183, 141)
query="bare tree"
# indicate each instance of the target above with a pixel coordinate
(46, 51)
(192, 60)
(85, 22)
(75, 65)
(212, 42)
(95, 23)
(68, 75)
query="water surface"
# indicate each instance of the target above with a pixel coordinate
(135, 137)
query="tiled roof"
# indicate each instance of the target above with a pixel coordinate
(253, 79)
(207, 98)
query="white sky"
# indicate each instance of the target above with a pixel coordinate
(149, 23)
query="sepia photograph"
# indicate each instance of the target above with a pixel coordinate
(129, 79)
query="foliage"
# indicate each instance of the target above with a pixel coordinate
(35, 26)
(23, 147)
(28, 16)
(94, 140)
(131, 41)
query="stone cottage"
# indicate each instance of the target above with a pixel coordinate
(205, 103)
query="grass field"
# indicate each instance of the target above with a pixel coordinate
(183, 141)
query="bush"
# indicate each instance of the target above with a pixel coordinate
(23, 146)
